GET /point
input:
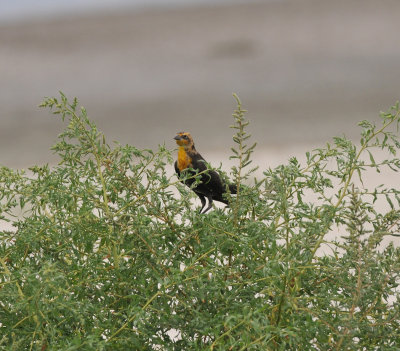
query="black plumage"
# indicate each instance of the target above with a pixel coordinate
(211, 186)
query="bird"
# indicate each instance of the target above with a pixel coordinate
(211, 186)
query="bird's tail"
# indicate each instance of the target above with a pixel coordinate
(232, 188)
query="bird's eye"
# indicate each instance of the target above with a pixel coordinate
(185, 137)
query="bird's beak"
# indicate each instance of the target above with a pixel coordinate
(178, 137)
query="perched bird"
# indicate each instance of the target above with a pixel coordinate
(211, 186)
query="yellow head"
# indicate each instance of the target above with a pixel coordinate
(184, 140)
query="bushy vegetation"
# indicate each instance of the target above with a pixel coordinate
(106, 251)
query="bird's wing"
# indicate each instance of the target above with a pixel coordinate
(210, 179)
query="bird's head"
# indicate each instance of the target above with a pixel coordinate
(185, 140)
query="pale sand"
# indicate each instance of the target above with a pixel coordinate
(306, 71)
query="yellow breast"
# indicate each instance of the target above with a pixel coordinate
(184, 161)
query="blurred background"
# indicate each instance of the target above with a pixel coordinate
(306, 70)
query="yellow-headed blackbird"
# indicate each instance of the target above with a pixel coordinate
(211, 186)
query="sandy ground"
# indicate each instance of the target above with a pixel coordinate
(305, 70)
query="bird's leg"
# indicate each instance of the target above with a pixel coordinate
(203, 202)
(210, 202)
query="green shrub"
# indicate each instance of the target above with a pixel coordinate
(106, 252)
